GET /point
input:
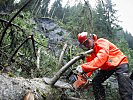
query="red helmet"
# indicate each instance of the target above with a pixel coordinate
(82, 37)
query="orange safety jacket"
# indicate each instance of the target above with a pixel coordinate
(105, 56)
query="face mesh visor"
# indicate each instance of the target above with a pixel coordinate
(83, 47)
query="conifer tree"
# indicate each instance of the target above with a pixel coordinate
(56, 10)
(105, 19)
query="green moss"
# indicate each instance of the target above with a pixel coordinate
(10, 74)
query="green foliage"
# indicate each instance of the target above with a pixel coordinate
(129, 39)
(123, 45)
(7, 5)
(78, 18)
(112, 93)
(105, 21)
(44, 10)
(56, 10)
(40, 39)
(37, 8)
(24, 63)
(48, 64)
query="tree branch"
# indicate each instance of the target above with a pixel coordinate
(9, 23)
(33, 43)
(65, 67)
(5, 21)
(62, 54)
(38, 58)
(19, 47)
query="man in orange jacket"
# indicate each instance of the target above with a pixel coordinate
(109, 59)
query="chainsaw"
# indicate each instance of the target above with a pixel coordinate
(74, 80)
(79, 81)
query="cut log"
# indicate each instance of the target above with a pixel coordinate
(29, 96)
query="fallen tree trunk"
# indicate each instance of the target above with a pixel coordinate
(32, 89)
(16, 88)
(19, 89)
(65, 67)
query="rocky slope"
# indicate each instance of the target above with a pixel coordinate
(56, 35)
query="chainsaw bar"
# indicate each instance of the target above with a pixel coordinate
(60, 84)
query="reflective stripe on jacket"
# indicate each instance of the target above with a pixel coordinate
(106, 56)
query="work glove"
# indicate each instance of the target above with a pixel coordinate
(79, 69)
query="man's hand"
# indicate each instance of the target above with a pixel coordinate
(79, 69)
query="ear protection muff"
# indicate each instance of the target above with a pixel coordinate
(93, 36)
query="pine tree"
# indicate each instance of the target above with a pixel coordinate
(6, 5)
(56, 10)
(105, 19)
(44, 9)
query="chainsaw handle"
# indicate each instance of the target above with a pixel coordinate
(87, 77)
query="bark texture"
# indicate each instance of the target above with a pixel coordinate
(17, 88)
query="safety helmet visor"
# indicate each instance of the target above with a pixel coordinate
(86, 44)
